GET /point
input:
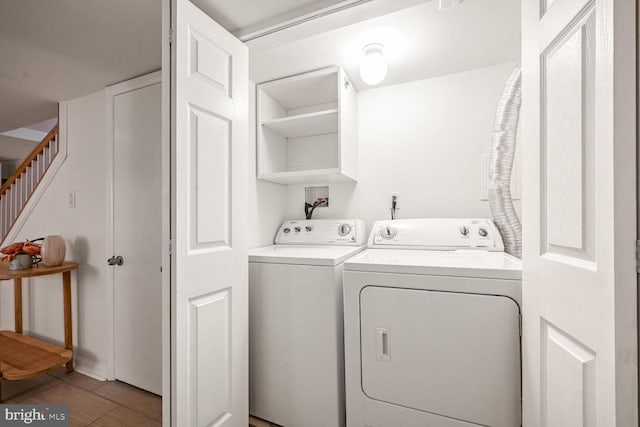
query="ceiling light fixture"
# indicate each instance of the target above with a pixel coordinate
(373, 65)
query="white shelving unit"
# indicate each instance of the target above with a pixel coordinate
(307, 130)
(320, 123)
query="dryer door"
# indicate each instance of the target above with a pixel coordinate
(451, 354)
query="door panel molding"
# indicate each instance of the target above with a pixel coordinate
(210, 188)
(568, 367)
(216, 73)
(210, 343)
(568, 167)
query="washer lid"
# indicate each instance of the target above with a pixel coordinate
(304, 254)
(461, 263)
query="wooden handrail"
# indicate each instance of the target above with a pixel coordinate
(24, 165)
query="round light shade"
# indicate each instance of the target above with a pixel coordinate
(373, 65)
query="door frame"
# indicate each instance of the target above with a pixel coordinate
(168, 182)
(111, 92)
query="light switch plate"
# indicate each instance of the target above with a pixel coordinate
(71, 199)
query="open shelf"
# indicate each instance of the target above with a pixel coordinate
(301, 125)
(309, 176)
(306, 128)
(22, 356)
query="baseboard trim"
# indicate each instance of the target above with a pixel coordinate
(89, 372)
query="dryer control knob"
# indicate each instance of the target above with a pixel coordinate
(464, 230)
(344, 229)
(297, 229)
(483, 232)
(308, 228)
(286, 230)
(388, 232)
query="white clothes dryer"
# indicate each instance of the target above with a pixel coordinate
(296, 353)
(432, 327)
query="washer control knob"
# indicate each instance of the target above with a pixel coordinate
(297, 229)
(464, 230)
(344, 229)
(483, 232)
(388, 232)
(308, 228)
(286, 230)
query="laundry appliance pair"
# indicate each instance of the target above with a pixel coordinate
(431, 318)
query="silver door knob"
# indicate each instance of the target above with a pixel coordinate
(115, 260)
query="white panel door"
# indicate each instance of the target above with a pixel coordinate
(209, 262)
(137, 236)
(579, 213)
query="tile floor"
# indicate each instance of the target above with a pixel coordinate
(92, 402)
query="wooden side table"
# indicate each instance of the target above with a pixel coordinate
(22, 356)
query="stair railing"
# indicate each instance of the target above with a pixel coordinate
(16, 192)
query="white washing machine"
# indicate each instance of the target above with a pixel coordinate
(432, 327)
(296, 353)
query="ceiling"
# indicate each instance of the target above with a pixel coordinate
(59, 50)
(421, 42)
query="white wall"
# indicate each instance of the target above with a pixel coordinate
(16, 149)
(423, 139)
(84, 230)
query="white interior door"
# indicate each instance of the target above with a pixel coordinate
(209, 263)
(137, 233)
(579, 213)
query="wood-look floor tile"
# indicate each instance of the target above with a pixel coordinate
(76, 379)
(84, 407)
(124, 417)
(133, 398)
(12, 390)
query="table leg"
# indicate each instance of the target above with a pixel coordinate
(68, 327)
(17, 304)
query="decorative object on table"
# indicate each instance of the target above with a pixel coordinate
(21, 262)
(21, 255)
(53, 251)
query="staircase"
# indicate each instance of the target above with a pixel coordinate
(16, 192)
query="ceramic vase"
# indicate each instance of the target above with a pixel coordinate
(53, 251)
